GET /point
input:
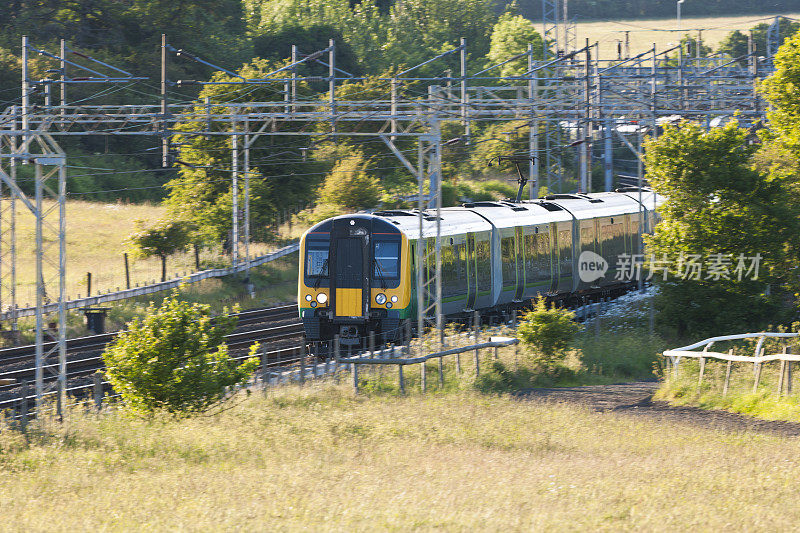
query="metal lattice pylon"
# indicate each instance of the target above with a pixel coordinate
(47, 205)
(429, 250)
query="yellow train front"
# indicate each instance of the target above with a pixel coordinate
(354, 279)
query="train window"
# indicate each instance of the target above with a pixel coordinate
(454, 275)
(565, 252)
(483, 258)
(587, 235)
(509, 261)
(317, 258)
(387, 259)
(613, 242)
(537, 258)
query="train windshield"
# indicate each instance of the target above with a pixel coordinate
(387, 259)
(317, 258)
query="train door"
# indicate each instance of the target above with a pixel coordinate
(520, 263)
(472, 272)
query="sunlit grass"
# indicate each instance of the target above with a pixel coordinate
(765, 402)
(318, 458)
(97, 236)
(643, 33)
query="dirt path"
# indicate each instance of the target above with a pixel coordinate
(635, 399)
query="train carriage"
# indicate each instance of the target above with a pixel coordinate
(358, 272)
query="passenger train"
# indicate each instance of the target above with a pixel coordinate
(358, 272)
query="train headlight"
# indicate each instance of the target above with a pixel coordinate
(380, 299)
(313, 304)
(394, 299)
(308, 297)
(322, 297)
(389, 305)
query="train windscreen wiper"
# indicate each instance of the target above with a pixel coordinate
(380, 274)
(323, 271)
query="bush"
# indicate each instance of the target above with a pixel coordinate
(175, 359)
(549, 331)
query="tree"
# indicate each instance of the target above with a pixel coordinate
(735, 43)
(161, 240)
(782, 89)
(716, 203)
(175, 359)
(202, 192)
(349, 187)
(511, 36)
(549, 331)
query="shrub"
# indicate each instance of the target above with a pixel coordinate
(175, 359)
(548, 331)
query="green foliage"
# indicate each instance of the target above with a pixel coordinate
(735, 43)
(716, 203)
(349, 187)
(626, 355)
(549, 331)
(511, 36)
(175, 359)
(782, 89)
(161, 240)
(202, 192)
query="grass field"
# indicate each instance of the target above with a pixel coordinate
(319, 459)
(763, 403)
(97, 236)
(663, 32)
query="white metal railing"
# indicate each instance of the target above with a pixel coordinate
(758, 358)
(154, 287)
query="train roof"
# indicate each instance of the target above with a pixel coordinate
(481, 216)
(454, 221)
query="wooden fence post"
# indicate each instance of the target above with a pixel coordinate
(303, 362)
(127, 271)
(400, 379)
(423, 377)
(24, 406)
(727, 375)
(408, 337)
(97, 389)
(702, 370)
(758, 373)
(782, 373)
(476, 322)
(335, 353)
(789, 377)
(441, 372)
(264, 372)
(371, 343)
(355, 378)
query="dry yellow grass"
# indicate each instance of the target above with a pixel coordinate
(319, 459)
(643, 33)
(96, 240)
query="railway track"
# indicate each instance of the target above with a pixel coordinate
(92, 342)
(84, 354)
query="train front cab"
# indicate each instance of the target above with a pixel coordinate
(354, 278)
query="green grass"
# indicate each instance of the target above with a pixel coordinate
(318, 458)
(643, 33)
(592, 360)
(763, 403)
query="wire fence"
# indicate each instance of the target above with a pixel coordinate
(116, 295)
